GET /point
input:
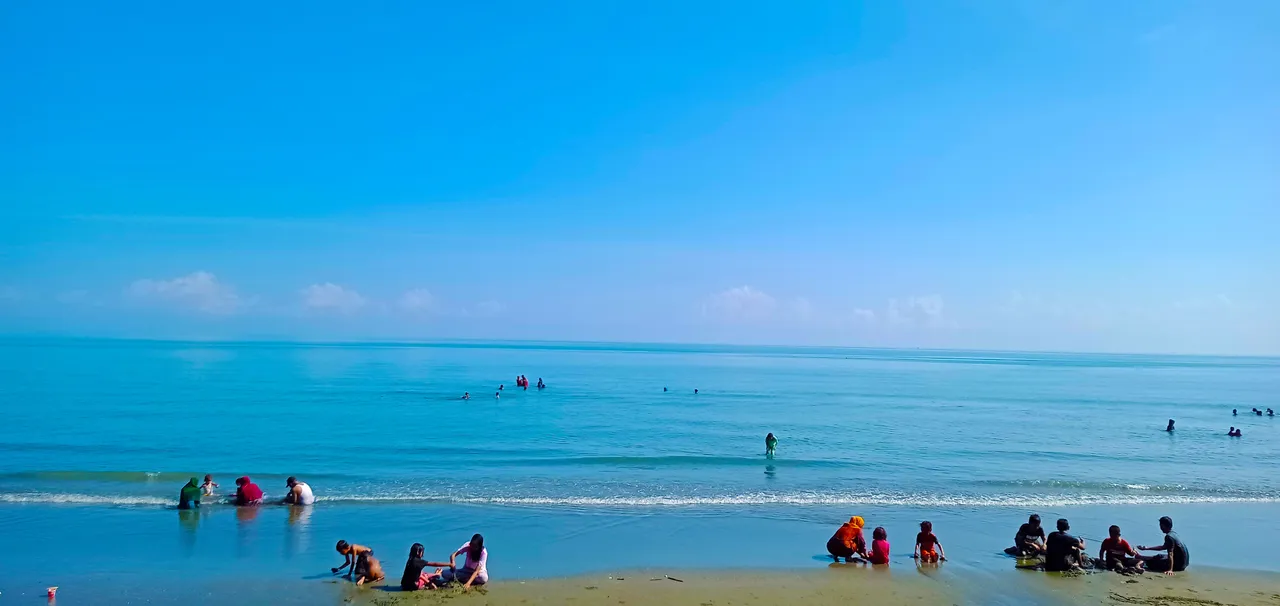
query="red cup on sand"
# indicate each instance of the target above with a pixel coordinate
(53, 592)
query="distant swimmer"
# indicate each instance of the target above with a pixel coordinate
(695, 391)
(1238, 434)
(1233, 432)
(541, 385)
(501, 387)
(466, 395)
(1233, 412)
(1271, 413)
(664, 390)
(497, 395)
(770, 445)
(1170, 427)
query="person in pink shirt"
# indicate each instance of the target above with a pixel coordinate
(475, 571)
(879, 546)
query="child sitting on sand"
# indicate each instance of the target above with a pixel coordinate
(1116, 553)
(208, 485)
(879, 546)
(415, 571)
(928, 548)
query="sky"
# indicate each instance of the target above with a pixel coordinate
(1027, 175)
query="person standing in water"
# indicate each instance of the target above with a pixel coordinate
(1170, 427)
(770, 445)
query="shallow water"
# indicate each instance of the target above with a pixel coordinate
(605, 470)
(118, 422)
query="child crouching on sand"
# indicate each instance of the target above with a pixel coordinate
(928, 547)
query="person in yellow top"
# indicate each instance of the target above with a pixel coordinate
(848, 541)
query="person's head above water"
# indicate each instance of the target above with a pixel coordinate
(879, 534)
(1166, 524)
(1063, 526)
(1114, 531)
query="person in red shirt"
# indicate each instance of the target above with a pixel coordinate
(879, 546)
(247, 493)
(1116, 553)
(928, 548)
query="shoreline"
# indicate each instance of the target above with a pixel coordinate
(833, 585)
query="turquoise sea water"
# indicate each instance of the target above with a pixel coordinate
(99, 435)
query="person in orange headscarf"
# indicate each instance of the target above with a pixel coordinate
(848, 541)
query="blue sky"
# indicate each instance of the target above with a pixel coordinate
(1093, 176)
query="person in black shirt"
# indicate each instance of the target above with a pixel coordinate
(1062, 551)
(1030, 537)
(1176, 558)
(413, 578)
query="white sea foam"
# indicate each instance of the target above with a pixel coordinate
(750, 499)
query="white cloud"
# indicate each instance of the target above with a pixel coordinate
(923, 310)
(864, 315)
(742, 303)
(488, 308)
(200, 291)
(332, 297)
(418, 300)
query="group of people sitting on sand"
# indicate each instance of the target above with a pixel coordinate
(247, 493)
(849, 543)
(363, 567)
(1059, 551)
(1062, 552)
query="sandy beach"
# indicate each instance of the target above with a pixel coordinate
(839, 585)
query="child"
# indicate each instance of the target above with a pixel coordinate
(879, 546)
(415, 571)
(770, 445)
(364, 567)
(1116, 553)
(208, 485)
(928, 548)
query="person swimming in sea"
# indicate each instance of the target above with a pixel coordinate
(1271, 413)
(541, 385)
(1233, 412)
(1236, 434)
(466, 395)
(497, 395)
(1232, 431)
(1170, 427)
(770, 445)
(664, 390)
(695, 391)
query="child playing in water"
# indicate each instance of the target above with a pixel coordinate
(770, 445)
(364, 567)
(928, 548)
(208, 485)
(879, 546)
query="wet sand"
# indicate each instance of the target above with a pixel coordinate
(843, 585)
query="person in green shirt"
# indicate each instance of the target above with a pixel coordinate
(189, 498)
(770, 445)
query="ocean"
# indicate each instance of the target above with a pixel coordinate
(618, 462)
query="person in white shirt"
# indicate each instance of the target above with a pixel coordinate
(299, 493)
(474, 571)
